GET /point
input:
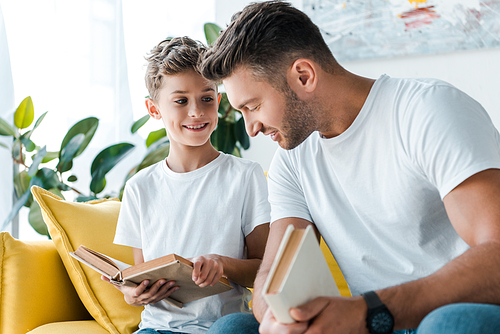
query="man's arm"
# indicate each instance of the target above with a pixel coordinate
(474, 211)
(276, 233)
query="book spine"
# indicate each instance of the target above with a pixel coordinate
(279, 306)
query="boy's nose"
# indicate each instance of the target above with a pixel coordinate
(195, 111)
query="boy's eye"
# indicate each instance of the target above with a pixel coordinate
(207, 99)
(181, 101)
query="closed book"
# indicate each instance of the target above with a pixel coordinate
(298, 274)
(171, 267)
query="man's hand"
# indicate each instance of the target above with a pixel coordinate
(207, 270)
(338, 315)
(141, 295)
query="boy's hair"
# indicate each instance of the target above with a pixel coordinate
(170, 57)
(266, 38)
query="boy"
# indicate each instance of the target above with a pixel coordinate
(199, 203)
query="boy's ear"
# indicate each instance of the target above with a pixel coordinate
(302, 77)
(152, 110)
(218, 98)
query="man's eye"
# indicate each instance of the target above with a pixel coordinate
(255, 108)
(207, 99)
(181, 101)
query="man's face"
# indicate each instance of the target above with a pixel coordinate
(281, 115)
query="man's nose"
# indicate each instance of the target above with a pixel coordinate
(252, 126)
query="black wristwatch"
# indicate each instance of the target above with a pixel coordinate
(379, 319)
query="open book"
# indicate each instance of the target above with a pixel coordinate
(170, 267)
(298, 274)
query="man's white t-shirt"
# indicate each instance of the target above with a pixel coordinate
(207, 211)
(375, 191)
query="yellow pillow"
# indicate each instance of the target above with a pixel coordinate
(91, 224)
(334, 268)
(34, 287)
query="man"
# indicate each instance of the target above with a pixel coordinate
(401, 178)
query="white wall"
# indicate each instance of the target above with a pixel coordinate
(476, 72)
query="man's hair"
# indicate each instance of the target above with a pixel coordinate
(170, 57)
(266, 38)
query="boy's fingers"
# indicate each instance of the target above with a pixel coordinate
(139, 290)
(196, 270)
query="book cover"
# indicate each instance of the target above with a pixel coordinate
(170, 267)
(298, 274)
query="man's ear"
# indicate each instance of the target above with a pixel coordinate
(302, 76)
(152, 110)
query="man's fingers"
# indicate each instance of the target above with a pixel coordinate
(309, 310)
(269, 325)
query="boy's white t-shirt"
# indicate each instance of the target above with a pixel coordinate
(375, 191)
(207, 211)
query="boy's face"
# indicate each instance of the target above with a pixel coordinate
(187, 104)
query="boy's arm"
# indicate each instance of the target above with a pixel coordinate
(208, 269)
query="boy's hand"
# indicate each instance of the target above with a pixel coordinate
(208, 269)
(141, 295)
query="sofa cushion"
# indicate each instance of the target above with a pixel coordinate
(91, 224)
(73, 327)
(34, 286)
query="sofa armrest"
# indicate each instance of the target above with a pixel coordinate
(34, 287)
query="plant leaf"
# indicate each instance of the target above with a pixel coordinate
(28, 144)
(6, 129)
(226, 139)
(241, 133)
(50, 156)
(49, 178)
(69, 152)
(85, 198)
(35, 219)
(87, 127)
(20, 202)
(139, 123)
(72, 178)
(16, 150)
(21, 183)
(160, 153)
(23, 117)
(36, 162)
(37, 123)
(3, 145)
(154, 136)
(104, 162)
(212, 31)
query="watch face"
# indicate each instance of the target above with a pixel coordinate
(382, 323)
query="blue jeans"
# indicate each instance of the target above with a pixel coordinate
(152, 331)
(461, 318)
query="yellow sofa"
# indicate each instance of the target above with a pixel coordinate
(43, 290)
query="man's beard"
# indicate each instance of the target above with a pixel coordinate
(298, 120)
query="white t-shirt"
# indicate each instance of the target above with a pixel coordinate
(375, 191)
(207, 211)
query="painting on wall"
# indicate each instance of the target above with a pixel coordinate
(357, 29)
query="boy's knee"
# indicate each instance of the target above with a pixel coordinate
(235, 323)
(462, 318)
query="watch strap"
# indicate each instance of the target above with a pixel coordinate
(372, 299)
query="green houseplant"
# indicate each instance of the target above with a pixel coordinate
(52, 170)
